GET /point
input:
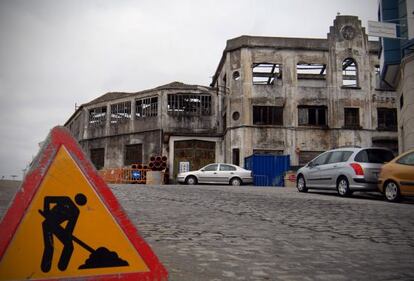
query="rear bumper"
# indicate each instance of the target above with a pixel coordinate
(362, 184)
(247, 180)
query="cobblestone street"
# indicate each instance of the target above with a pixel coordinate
(251, 233)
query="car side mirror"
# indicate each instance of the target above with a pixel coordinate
(202, 170)
(310, 164)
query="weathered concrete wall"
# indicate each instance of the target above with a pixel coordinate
(115, 146)
(347, 39)
(406, 111)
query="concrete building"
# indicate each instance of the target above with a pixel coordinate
(397, 64)
(303, 96)
(293, 96)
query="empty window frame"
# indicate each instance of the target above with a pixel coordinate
(120, 112)
(146, 107)
(133, 154)
(312, 116)
(349, 73)
(267, 115)
(351, 119)
(387, 119)
(266, 73)
(97, 116)
(98, 157)
(312, 71)
(189, 104)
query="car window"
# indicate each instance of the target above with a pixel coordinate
(407, 159)
(374, 155)
(346, 155)
(212, 167)
(224, 167)
(336, 156)
(322, 159)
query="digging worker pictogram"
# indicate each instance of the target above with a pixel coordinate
(57, 210)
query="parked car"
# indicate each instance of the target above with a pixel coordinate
(397, 177)
(219, 173)
(345, 169)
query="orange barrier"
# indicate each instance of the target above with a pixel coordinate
(124, 175)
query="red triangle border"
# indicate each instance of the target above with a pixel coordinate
(57, 137)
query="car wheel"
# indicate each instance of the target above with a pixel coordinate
(301, 184)
(392, 192)
(342, 187)
(191, 180)
(235, 181)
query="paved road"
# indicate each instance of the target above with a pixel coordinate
(250, 233)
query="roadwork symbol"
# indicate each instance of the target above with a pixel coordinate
(65, 223)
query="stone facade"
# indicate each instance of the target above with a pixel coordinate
(292, 96)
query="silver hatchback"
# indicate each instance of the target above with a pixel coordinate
(344, 169)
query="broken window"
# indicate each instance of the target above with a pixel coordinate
(349, 73)
(97, 116)
(266, 73)
(312, 115)
(387, 119)
(146, 107)
(189, 104)
(267, 115)
(133, 154)
(351, 117)
(313, 71)
(98, 157)
(120, 112)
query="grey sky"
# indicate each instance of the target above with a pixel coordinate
(54, 54)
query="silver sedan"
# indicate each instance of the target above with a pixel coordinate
(218, 173)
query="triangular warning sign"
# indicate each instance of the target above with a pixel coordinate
(65, 223)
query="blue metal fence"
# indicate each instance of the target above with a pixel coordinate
(268, 170)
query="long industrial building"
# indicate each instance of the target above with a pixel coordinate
(272, 95)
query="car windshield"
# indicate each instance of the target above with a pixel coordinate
(372, 155)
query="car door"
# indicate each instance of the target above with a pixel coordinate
(405, 174)
(334, 166)
(225, 173)
(316, 169)
(208, 174)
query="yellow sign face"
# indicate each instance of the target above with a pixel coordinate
(67, 231)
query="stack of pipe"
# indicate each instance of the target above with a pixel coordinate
(158, 163)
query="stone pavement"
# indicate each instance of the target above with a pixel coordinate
(251, 233)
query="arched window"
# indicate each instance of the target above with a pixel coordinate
(349, 73)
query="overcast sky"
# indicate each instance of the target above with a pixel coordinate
(54, 54)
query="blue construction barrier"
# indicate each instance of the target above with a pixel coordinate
(268, 170)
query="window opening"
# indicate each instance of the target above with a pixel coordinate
(236, 75)
(133, 154)
(311, 71)
(387, 119)
(97, 116)
(189, 104)
(349, 73)
(351, 117)
(267, 115)
(146, 107)
(120, 112)
(266, 73)
(98, 157)
(236, 156)
(312, 115)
